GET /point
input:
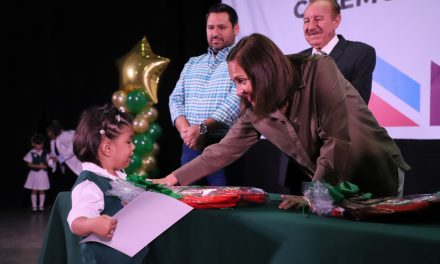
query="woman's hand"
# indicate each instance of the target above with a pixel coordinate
(290, 201)
(169, 180)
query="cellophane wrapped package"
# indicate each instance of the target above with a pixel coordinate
(205, 197)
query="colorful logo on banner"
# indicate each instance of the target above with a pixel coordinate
(405, 97)
(407, 90)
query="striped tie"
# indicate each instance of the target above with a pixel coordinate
(320, 52)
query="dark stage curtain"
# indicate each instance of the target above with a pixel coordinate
(264, 166)
(59, 57)
(424, 158)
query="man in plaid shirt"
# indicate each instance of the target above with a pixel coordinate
(203, 104)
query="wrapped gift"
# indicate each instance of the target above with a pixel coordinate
(205, 197)
(408, 207)
(195, 196)
(346, 200)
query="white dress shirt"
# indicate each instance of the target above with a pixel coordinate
(329, 47)
(64, 145)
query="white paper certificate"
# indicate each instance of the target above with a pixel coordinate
(142, 220)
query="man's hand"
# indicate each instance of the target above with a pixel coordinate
(192, 138)
(189, 134)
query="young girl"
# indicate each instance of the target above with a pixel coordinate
(103, 143)
(37, 179)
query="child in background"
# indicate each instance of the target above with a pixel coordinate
(37, 179)
(103, 142)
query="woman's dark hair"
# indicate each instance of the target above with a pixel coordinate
(269, 71)
(96, 122)
(224, 8)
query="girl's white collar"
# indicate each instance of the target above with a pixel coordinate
(92, 167)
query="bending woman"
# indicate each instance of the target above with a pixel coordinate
(305, 107)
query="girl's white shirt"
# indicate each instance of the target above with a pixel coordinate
(87, 198)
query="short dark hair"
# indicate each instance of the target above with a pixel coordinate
(37, 139)
(224, 8)
(336, 8)
(269, 71)
(94, 123)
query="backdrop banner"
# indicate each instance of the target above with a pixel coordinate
(406, 82)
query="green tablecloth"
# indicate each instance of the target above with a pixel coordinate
(265, 234)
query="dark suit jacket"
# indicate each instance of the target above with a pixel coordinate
(330, 134)
(356, 61)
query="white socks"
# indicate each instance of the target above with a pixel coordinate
(42, 196)
(34, 202)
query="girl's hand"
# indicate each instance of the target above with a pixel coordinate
(292, 201)
(104, 226)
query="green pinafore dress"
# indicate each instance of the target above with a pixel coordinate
(97, 253)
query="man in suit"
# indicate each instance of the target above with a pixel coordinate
(356, 60)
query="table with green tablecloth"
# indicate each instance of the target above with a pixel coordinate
(265, 234)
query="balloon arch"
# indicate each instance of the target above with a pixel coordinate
(139, 74)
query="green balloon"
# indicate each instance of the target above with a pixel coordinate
(136, 101)
(155, 131)
(135, 163)
(142, 144)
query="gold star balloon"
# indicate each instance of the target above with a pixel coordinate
(141, 69)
